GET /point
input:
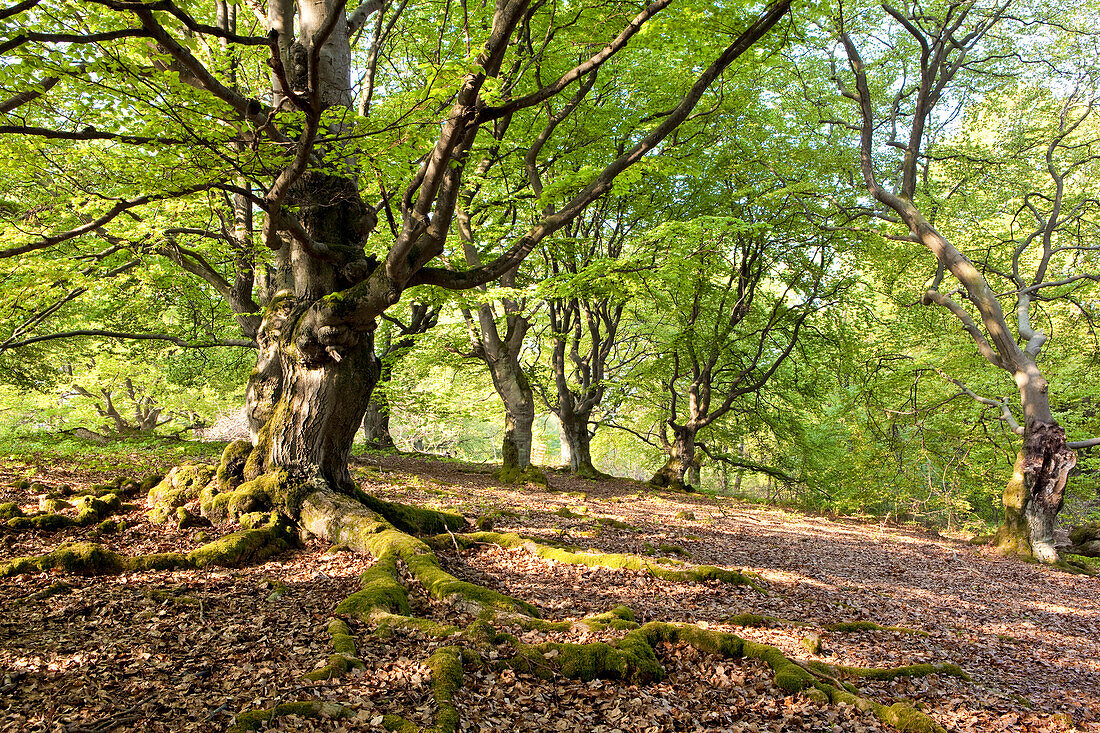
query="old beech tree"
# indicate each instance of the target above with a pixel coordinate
(963, 43)
(348, 229)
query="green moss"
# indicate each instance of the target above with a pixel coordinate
(446, 666)
(230, 473)
(620, 618)
(748, 620)
(678, 572)
(10, 510)
(256, 463)
(85, 558)
(247, 545)
(686, 515)
(248, 497)
(380, 591)
(336, 666)
(251, 720)
(182, 485)
(673, 550)
(513, 476)
(387, 622)
(891, 673)
(397, 724)
(617, 524)
(906, 718)
(413, 519)
(440, 584)
(149, 482)
(705, 640)
(52, 504)
(631, 659)
(788, 675)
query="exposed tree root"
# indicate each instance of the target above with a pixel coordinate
(386, 532)
(871, 626)
(89, 558)
(345, 653)
(255, 719)
(663, 568)
(92, 506)
(514, 475)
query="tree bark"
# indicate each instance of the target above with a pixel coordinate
(577, 442)
(519, 414)
(376, 423)
(681, 460)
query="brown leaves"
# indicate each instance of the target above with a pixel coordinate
(189, 650)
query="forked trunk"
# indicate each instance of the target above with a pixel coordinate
(681, 461)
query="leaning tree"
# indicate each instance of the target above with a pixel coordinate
(939, 60)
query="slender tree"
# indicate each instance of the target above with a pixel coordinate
(960, 44)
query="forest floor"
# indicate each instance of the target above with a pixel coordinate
(188, 650)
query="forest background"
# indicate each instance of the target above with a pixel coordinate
(740, 281)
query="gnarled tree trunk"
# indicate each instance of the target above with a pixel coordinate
(681, 462)
(577, 441)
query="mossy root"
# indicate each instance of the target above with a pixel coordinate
(90, 558)
(677, 571)
(255, 719)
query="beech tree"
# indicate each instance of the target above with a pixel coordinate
(935, 55)
(728, 307)
(398, 336)
(585, 307)
(355, 161)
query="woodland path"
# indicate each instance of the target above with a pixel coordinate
(186, 650)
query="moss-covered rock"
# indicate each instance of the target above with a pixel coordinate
(187, 520)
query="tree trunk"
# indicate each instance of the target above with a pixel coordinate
(376, 423)
(1034, 496)
(681, 460)
(519, 418)
(376, 420)
(319, 407)
(563, 446)
(577, 443)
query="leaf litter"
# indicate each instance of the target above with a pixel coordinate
(188, 650)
